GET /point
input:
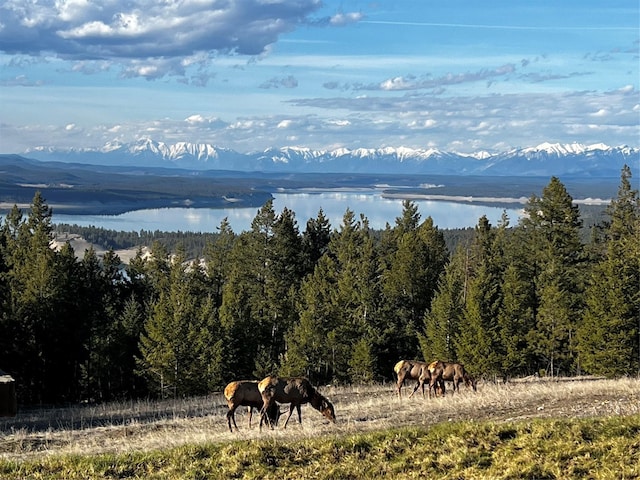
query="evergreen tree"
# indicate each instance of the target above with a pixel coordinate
(515, 317)
(414, 259)
(282, 283)
(217, 259)
(103, 292)
(337, 305)
(552, 335)
(131, 322)
(515, 321)
(552, 225)
(441, 322)
(308, 351)
(32, 290)
(177, 338)
(361, 363)
(477, 341)
(356, 291)
(609, 336)
(315, 240)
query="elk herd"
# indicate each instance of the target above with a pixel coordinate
(267, 394)
(434, 374)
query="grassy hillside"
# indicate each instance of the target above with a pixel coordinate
(606, 448)
(586, 428)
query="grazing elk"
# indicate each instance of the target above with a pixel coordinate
(413, 370)
(451, 372)
(295, 391)
(246, 393)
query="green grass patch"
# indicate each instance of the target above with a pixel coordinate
(602, 448)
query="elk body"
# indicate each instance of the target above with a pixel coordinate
(245, 393)
(451, 372)
(413, 370)
(295, 391)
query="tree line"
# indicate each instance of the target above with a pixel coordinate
(336, 304)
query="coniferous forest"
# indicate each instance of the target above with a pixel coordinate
(337, 304)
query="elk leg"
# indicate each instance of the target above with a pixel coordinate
(400, 385)
(250, 415)
(263, 414)
(291, 407)
(299, 414)
(416, 388)
(231, 416)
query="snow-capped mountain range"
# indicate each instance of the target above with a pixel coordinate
(547, 159)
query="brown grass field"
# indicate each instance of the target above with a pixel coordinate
(144, 426)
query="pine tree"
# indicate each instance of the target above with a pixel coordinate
(281, 287)
(356, 291)
(477, 341)
(609, 336)
(441, 322)
(217, 259)
(171, 344)
(552, 226)
(32, 291)
(315, 240)
(414, 257)
(308, 348)
(515, 321)
(361, 363)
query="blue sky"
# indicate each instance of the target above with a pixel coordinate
(248, 75)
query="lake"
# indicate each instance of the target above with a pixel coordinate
(306, 204)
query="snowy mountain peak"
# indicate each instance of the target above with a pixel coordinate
(545, 159)
(566, 149)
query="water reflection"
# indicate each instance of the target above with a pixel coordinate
(378, 210)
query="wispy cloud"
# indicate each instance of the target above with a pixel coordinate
(286, 82)
(414, 82)
(500, 26)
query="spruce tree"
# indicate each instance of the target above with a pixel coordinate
(441, 323)
(315, 240)
(308, 351)
(413, 259)
(609, 336)
(178, 337)
(552, 233)
(477, 341)
(33, 292)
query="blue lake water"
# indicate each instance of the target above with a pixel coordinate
(378, 210)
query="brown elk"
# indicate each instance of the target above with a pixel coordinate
(246, 393)
(295, 391)
(451, 372)
(413, 370)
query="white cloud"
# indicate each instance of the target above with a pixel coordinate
(195, 119)
(346, 18)
(125, 31)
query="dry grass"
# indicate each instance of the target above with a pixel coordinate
(141, 426)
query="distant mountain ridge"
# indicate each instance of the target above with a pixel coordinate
(546, 159)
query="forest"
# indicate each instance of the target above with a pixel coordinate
(338, 304)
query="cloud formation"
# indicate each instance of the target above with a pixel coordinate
(152, 39)
(309, 73)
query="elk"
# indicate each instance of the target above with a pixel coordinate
(295, 391)
(245, 393)
(413, 370)
(451, 372)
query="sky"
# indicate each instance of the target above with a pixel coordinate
(461, 76)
